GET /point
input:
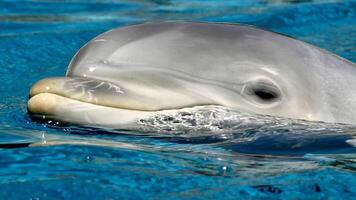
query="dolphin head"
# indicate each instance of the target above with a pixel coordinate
(138, 71)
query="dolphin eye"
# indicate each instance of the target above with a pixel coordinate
(266, 95)
(262, 92)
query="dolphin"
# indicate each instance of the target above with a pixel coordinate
(128, 74)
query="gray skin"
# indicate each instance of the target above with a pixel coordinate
(139, 71)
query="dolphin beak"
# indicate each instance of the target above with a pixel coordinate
(54, 108)
(49, 95)
(42, 98)
(57, 99)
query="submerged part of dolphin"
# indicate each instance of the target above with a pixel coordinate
(138, 72)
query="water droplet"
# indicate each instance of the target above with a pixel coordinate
(88, 158)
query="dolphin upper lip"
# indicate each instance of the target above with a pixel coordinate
(48, 85)
(76, 88)
(82, 89)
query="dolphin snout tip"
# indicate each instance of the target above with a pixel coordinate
(43, 103)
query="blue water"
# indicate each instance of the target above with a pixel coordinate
(293, 161)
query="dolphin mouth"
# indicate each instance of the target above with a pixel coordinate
(83, 101)
(94, 102)
(55, 108)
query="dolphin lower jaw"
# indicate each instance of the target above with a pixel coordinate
(62, 109)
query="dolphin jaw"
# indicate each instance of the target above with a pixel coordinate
(62, 109)
(52, 99)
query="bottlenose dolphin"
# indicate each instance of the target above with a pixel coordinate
(135, 72)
